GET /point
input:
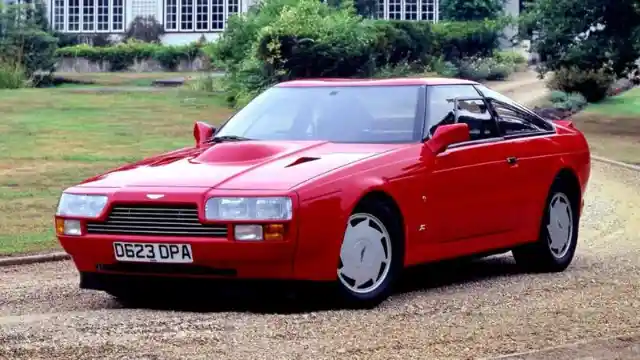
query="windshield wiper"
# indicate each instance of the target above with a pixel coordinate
(225, 138)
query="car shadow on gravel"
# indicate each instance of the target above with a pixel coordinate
(292, 298)
(459, 271)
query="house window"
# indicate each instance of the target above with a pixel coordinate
(171, 21)
(58, 15)
(217, 14)
(88, 15)
(199, 15)
(118, 15)
(426, 10)
(202, 15)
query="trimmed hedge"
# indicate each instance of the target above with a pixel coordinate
(123, 55)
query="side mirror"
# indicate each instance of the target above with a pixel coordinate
(202, 132)
(446, 135)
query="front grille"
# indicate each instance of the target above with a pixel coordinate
(156, 220)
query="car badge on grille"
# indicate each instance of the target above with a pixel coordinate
(155, 196)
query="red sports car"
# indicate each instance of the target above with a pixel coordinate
(345, 181)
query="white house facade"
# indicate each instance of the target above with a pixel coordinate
(186, 21)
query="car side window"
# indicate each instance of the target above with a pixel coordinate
(440, 100)
(514, 122)
(476, 114)
(514, 106)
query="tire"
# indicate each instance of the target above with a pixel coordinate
(371, 255)
(557, 241)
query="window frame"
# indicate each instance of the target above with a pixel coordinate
(514, 106)
(518, 108)
(522, 116)
(383, 10)
(63, 26)
(210, 15)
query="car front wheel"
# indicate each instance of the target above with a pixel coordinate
(370, 256)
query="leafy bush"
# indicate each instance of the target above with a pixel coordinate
(468, 10)
(558, 96)
(12, 76)
(145, 29)
(510, 57)
(569, 102)
(123, 55)
(455, 40)
(593, 85)
(444, 68)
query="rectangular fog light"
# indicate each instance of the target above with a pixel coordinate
(248, 232)
(72, 227)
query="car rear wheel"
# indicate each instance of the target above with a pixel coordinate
(370, 256)
(556, 246)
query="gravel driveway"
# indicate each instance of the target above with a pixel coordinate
(459, 311)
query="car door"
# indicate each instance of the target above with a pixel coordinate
(466, 200)
(533, 146)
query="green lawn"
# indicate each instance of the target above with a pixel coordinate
(627, 103)
(125, 78)
(613, 127)
(53, 138)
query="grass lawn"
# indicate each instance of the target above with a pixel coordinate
(125, 78)
(53, 138)
(613, 127)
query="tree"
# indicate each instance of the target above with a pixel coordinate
(24, 40)
(146, 29)
(586, 34)
(471, 10)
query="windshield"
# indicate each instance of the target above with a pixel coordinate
(371, 114)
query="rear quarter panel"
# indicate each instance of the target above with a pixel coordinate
(542, 159)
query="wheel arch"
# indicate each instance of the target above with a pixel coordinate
(569, 178)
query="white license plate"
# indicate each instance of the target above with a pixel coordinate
(147, 252)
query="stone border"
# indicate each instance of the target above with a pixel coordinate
(34, 259)
(616, 163)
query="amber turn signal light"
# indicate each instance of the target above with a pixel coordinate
(59, 226)
(274, 232)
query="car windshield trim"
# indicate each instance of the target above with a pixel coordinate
(383, 107)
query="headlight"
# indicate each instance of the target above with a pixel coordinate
(89, 206)
(248, 208)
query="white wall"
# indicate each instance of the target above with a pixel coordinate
(186, 38)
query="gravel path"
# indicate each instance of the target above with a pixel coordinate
(471, 310)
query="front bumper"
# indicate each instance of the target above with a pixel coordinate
(213, 258)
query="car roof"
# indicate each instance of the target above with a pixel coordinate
(375, 82)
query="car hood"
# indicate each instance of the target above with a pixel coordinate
(260, 165)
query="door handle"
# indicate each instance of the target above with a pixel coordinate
(512, 160)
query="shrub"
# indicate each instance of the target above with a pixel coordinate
(444, 68)
(12, 76)
(593, 85)
(145, 29)
(456, 40)
(510, 57)
(475, 69)
(123, 55)
(558, 96)
(465, 10)
(499, 71)
(568, 102)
